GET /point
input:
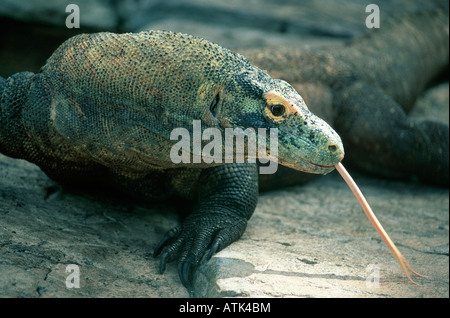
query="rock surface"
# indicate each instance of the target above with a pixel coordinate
(306, 241)
(43, 229)
(315, 241)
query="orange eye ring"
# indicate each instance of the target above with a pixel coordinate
(278, 107)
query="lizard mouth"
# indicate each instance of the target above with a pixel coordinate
(309, 167)
(320, 166)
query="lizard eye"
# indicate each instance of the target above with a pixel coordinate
(277, 109)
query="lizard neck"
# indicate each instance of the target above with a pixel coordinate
(13, 95)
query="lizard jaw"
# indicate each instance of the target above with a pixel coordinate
(322, 167)
(309, 167)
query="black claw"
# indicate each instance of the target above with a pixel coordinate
(162, 263)
(169, 235)
(185, 271)
(212, 250)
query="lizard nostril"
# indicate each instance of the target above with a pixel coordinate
(332, 148)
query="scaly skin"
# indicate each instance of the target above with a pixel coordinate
(365, 89)
(102, 109)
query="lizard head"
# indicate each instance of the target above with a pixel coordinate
(306, 142)
(253, 99)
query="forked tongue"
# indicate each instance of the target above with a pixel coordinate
(376, 224)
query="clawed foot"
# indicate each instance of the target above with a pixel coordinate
(198, 238)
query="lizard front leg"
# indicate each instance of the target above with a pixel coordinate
(383, 140)
(227, 196)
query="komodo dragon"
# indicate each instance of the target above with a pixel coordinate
(101, 110)
(365, 89)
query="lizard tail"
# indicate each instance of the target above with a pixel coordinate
(2, 89)
(14, 89)
(2, 85)
(13, 93)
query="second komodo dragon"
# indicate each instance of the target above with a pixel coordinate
(101, 111)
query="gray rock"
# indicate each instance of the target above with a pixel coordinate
(315, 241)
(44, 229)
(308, 241)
